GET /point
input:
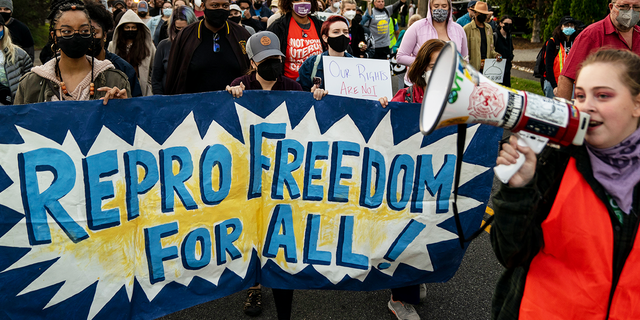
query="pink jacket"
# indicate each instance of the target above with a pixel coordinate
(422, 31)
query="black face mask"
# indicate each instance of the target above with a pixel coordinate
(235, 19)
(481, 18)
(130, 34)
(507, 27)
(76, 47)
(339, 43)
(270, 69)
(357, 19)
(95, 48)
(142, 14)
(216, 17)
(257, 5)
(6, 16)
(116, 12)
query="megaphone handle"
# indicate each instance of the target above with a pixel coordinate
(505, 172)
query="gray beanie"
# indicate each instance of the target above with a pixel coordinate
(7, 4)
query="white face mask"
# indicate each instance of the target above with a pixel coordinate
(426, 76)
(167, 12)
(336, 5)
(350, 14)
(198, 3)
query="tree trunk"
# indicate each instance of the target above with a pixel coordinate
(535, 36)
(422, 8)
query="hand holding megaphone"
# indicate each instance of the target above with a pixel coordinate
(457, 94)
(512, 159)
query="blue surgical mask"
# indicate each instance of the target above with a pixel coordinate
(2, 34)
(167, 12)
(568, 31)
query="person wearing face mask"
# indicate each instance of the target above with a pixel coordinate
(403, 298)
(298, 32)
(14, 63)
(72, 75)
(263, 48)
(143, 11)
(358, 44)
(467, 17)
(180, 18)
(20, 34)
(556, 51)
(377, 20)
(480, 37)
(207, 55)
(437, 25)
(618, 30)
(101, 21)
(156, 23)
(335, 37)
(260, 13)
(156, 7)
(235, 15)
(333, 6)
(504, 46)
(132, 42)
(246, 17)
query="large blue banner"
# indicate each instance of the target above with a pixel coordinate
(150, 205)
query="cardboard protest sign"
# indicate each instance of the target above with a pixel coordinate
(357, 78)
(151, 205)
(494, 70)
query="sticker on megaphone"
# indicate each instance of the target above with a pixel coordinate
(456, 94)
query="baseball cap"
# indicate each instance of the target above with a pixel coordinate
(567, 20)
(262, 45)
(235, 7)
(471, 4)
(143, 6)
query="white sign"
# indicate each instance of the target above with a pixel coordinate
(494, 70)
(323, 16)
(357, 78)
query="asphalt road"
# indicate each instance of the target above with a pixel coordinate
(466, 296)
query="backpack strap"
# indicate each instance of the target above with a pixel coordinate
(315, 67)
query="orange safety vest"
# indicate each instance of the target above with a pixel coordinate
(558, 62)
(571, 276)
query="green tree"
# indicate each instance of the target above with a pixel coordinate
(589, 11)
(561, 8)
(535, 11)
(33, 12)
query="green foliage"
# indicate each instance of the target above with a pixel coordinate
(525, 9)
(589, 11)
(561, 8)
(40, 36)
(32, 12)
(526, 85)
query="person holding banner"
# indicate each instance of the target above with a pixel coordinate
(72, 75)
(335, 37)
(263, 48)
(418, 73)
(566, 223)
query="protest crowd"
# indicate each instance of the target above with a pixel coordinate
(565, 225)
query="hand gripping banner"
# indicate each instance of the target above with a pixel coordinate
(151, 205)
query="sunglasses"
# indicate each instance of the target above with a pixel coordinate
(216, 45)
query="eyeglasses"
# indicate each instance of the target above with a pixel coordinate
(68, 33)
(216, 45)
(627, 7)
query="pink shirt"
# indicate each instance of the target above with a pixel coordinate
(423, 31)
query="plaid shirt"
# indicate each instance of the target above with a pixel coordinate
(516, 234)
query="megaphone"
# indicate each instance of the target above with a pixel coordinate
(456, 93)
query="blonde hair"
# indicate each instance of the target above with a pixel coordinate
(413, 19)
(8, 44)
(628, 62)
(353, 2)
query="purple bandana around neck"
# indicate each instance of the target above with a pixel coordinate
(617, 169)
